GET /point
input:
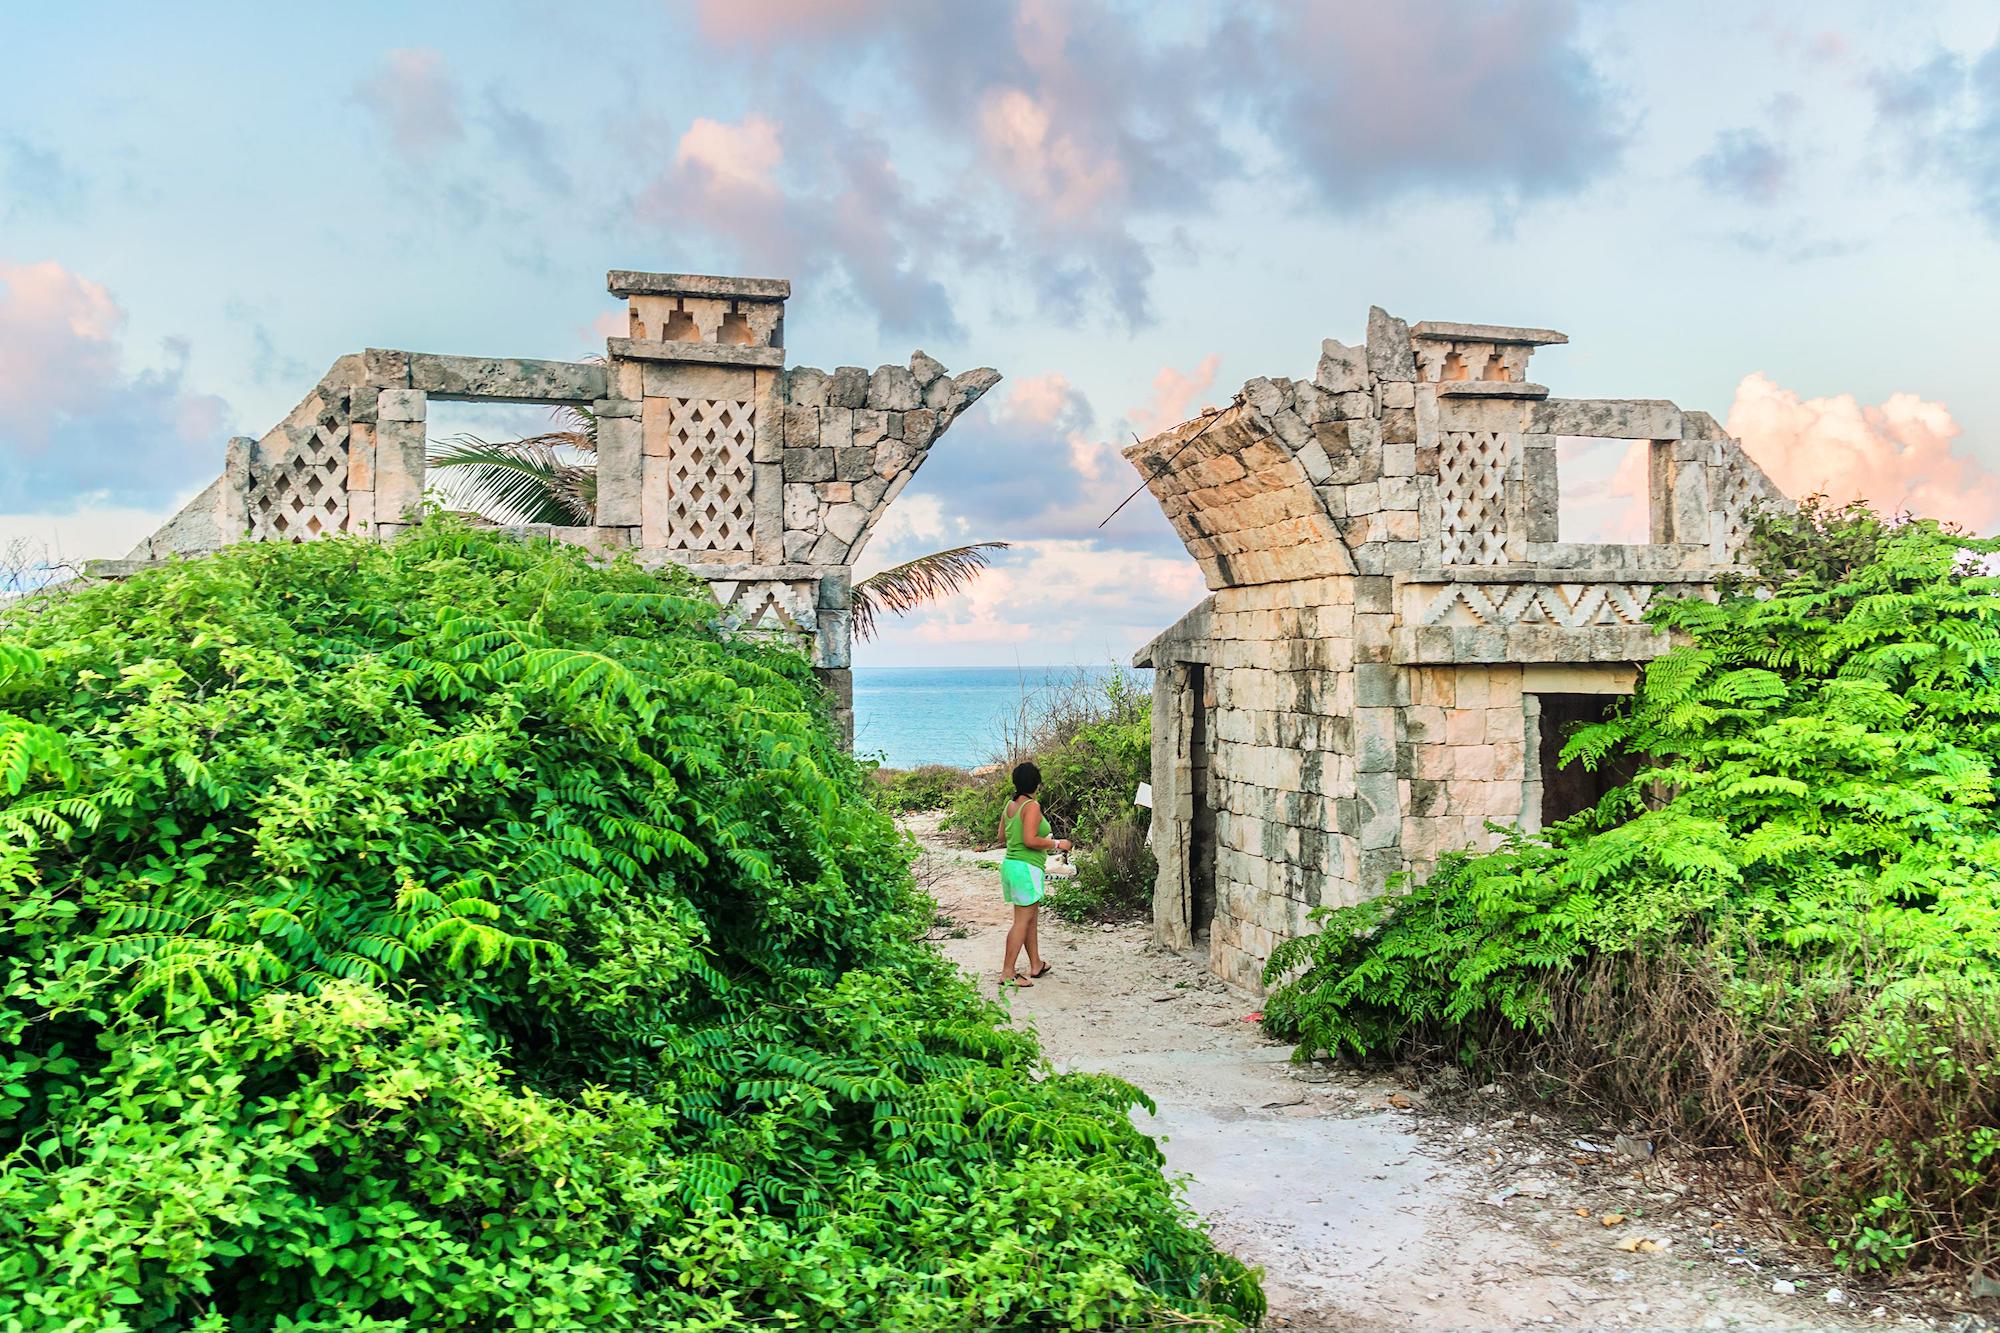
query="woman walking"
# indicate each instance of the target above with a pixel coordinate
(1023, 877)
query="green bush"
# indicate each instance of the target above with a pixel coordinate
(1785, 932)
(1113, 880)
(926, 787)
(453, 934)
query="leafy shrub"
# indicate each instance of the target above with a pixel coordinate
(926, 787)
(1113, 880)
(1794, 946)
(453, 934)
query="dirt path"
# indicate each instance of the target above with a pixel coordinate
(1370, 1205)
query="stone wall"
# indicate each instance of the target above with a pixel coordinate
(766, 482)
(1389, 592)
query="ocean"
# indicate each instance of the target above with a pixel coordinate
(908, 716)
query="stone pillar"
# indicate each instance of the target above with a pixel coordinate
(619, 462)
(399, 459)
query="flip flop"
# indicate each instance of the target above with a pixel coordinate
(1046, 969)
(1017, 982)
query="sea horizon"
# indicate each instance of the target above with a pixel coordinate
(907, 716)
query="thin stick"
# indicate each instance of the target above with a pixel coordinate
(1166, 462)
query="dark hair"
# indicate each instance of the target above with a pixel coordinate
(1026, 778)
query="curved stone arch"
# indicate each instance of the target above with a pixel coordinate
(1240, 498)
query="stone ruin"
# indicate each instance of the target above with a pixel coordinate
(711, 454)
(1397, 639)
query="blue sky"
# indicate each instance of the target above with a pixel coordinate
(1786, 215)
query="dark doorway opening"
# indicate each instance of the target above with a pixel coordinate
(1569, 789)
(1201, 826)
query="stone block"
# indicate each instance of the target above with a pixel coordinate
(808, 465)
(836, 427)
(386, 368)
(1374, 740)
(919, 427)
(1390, 356)
(1399, 426)
(893, 388)
(855, 463)
(1398, 393)
(806, 387)
(801, 507)
(620, 457)
(801, 428)
(799, 545)
(360, 459)
(1399, 460)
(400, 405)
(845, 521)
(616, 407)
(848, 387)
(1379, 685)
(399, 468)
(925, 370)
(871, 427)
(1342, 369)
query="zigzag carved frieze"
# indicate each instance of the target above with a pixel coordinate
(1570, 605)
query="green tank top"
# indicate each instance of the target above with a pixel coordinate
(1020, 851)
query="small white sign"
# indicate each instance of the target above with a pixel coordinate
(1144, 796)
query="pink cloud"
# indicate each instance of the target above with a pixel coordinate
(414, 99)
(75, 424)
(59, 341)
(741, 157)
(1176, 395)
(1897, 455)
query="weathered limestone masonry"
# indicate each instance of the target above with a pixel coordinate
(1397, 637)
(764, 481)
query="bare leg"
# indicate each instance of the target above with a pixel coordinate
(1034, 940)
(1017, 935)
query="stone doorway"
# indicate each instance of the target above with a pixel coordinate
(1201, 824)
(1570, 789)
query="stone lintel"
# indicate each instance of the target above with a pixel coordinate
(506, 379)
(1433, 330)
(627, 282)
(1491, 389)
(714, 354)
(1608, 418)
(788, 573)
(1596, 678)
(1690, 573)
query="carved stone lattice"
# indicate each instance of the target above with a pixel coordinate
(1739, 487)
(1570, 605)
(708, 474)
(1472, 489)
(768, 610)
(305, 495)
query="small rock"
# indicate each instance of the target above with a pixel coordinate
(1834, 1296)
(1636, 1149)
(1784, 1288)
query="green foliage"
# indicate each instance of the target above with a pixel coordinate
(926, 787)
(1811, 838)
(453, 934)
(1113, 880)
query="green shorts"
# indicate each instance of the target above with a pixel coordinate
(1021, 884)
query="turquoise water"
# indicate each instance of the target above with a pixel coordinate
(949, 715)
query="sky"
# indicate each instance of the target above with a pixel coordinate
(1787, 215)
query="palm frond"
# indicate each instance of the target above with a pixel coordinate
(527, 480)
(903, 588)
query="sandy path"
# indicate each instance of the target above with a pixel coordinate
(1365, 1213)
